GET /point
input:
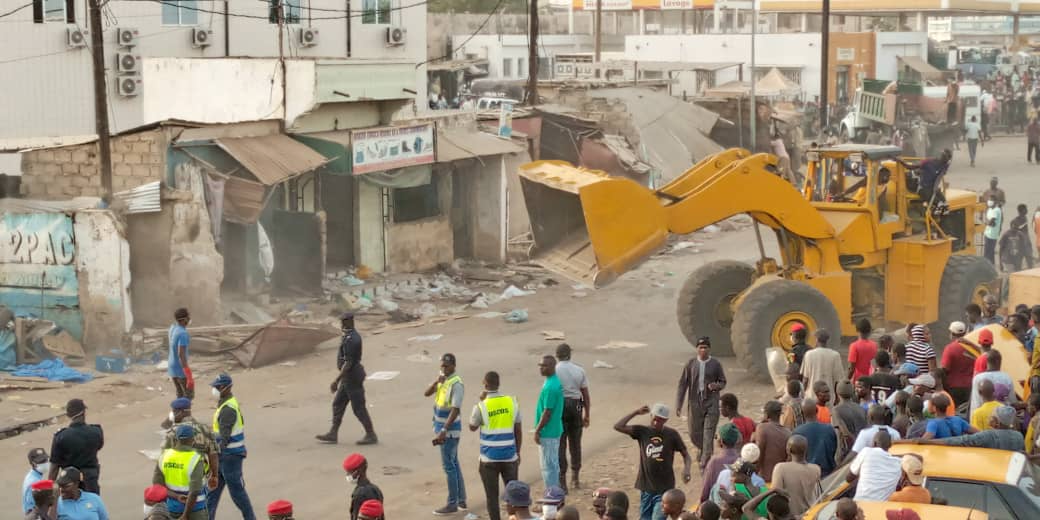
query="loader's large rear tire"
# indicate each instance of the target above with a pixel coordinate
(704, 302)
(767, 313)
(966, 279)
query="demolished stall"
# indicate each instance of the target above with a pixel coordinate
(68, 263)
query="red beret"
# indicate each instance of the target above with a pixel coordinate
(353, 462)
(155, 493)
(371, 508)
(279, 507)
(42, 485)
(797, 326)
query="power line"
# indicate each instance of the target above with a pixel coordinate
(15, 10)
(470, 37)
(356, 14)
(75, 49)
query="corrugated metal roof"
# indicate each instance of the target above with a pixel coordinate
(454, 144)
(142, 199)
(248, 129)
(272, 159)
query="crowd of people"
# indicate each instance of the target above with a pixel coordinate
(835, 410)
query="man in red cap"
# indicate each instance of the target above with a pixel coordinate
(45, 506)
(371, 510)
(985, 343)
(357, 471)
(280, 510)
(799, 335)
(155, 500)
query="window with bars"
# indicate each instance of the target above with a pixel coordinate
(376, 12)
(290, 7)
(63, 11)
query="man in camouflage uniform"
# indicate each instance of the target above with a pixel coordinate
(204, 443)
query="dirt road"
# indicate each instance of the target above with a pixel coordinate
(285, 406)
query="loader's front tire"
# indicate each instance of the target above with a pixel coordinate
(966, 279)
(704, 302)
(766, 314)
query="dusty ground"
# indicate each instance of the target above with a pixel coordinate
(286, 406)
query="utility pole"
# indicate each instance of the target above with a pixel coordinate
(532, 56)
(97, 51)
(825, 44)
(599, 34)
(754, 106)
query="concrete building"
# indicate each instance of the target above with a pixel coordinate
(796, 56)
(507, 54)
(45, 62)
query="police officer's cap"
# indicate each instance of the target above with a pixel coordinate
(38, 456)
(448, 358)
(185, 431)
(221, 381)
(181, 403)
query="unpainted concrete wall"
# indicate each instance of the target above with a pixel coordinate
(103, 270)
(72, 171)
(420, 245)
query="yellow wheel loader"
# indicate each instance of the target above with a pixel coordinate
(858, 241)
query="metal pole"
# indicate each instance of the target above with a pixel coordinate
(754, 108)
(97, 51)
(599, 34)
(532, 55)
(825, 43)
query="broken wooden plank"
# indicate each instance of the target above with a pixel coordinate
(280, 341)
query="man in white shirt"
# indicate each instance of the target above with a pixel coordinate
(866, 438)
(972, 129)
(822, 364)
(576, 406)
(994, 219)
(875, 471)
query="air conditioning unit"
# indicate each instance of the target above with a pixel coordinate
(127, 63)
(308, 37)
(201, 37)
(396, 35)
(129, 86)
(75, 37)
(126, 37)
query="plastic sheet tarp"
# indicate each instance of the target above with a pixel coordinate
(8, 352)
(53, 370)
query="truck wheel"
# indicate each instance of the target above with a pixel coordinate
(966, 279)
(766, 315)
(704, 302)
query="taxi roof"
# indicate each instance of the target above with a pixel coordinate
(870, 151)
(978, 464)
(877, 510)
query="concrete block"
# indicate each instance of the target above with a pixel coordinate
(69, 167)
(89, 170)
(122, 146)
(42, 156)
(140, 170)
(155, 172)
(90, 191)
(62, 156)
(117, 157)
(54, 189)
(155, 148)
(132, 158)
(142, 148)
(80, 156)
(94, 180)
(122, 170)
(79, 181)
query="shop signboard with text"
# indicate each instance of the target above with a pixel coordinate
(392, 147)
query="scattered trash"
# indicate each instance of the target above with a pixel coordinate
(658, 284)
(491, 314)
(553, 335)
(517, 316)
(481, 302)
(162, 365)
(430, 337)
(472, 516)
(679, 246)
(151, 454)
(388, 305)
(579, 294)
(427, 310)
(287, 363)
(620, 344)
(602, 364)
(352, 281)
(580, 287)
(120, 406)
(280, 341)
(712, 228)
(513, 292)
(114, 363)
(383, 375)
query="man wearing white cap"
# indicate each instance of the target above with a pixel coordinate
(910, 487)
(959, 365)
(657, 447)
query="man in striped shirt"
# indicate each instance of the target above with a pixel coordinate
(919, 350)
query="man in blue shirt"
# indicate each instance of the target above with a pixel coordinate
(76, 504)
(943, 426)
(38, 462)
(178, 369)
(821, 438)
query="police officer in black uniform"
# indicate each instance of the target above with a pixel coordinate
(77, 446)
(349, 385)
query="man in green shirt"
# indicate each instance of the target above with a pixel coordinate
(549, 413)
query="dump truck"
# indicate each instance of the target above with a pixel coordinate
(857, 242)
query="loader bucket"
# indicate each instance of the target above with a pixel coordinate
(589, 226)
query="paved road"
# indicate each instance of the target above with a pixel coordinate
(286, 406)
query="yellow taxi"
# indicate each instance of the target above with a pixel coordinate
(879, 511)
(1000, 483)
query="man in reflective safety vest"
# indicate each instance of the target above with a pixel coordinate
(448, 392)
(501, 434)
(229, 429)
(181, 470)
